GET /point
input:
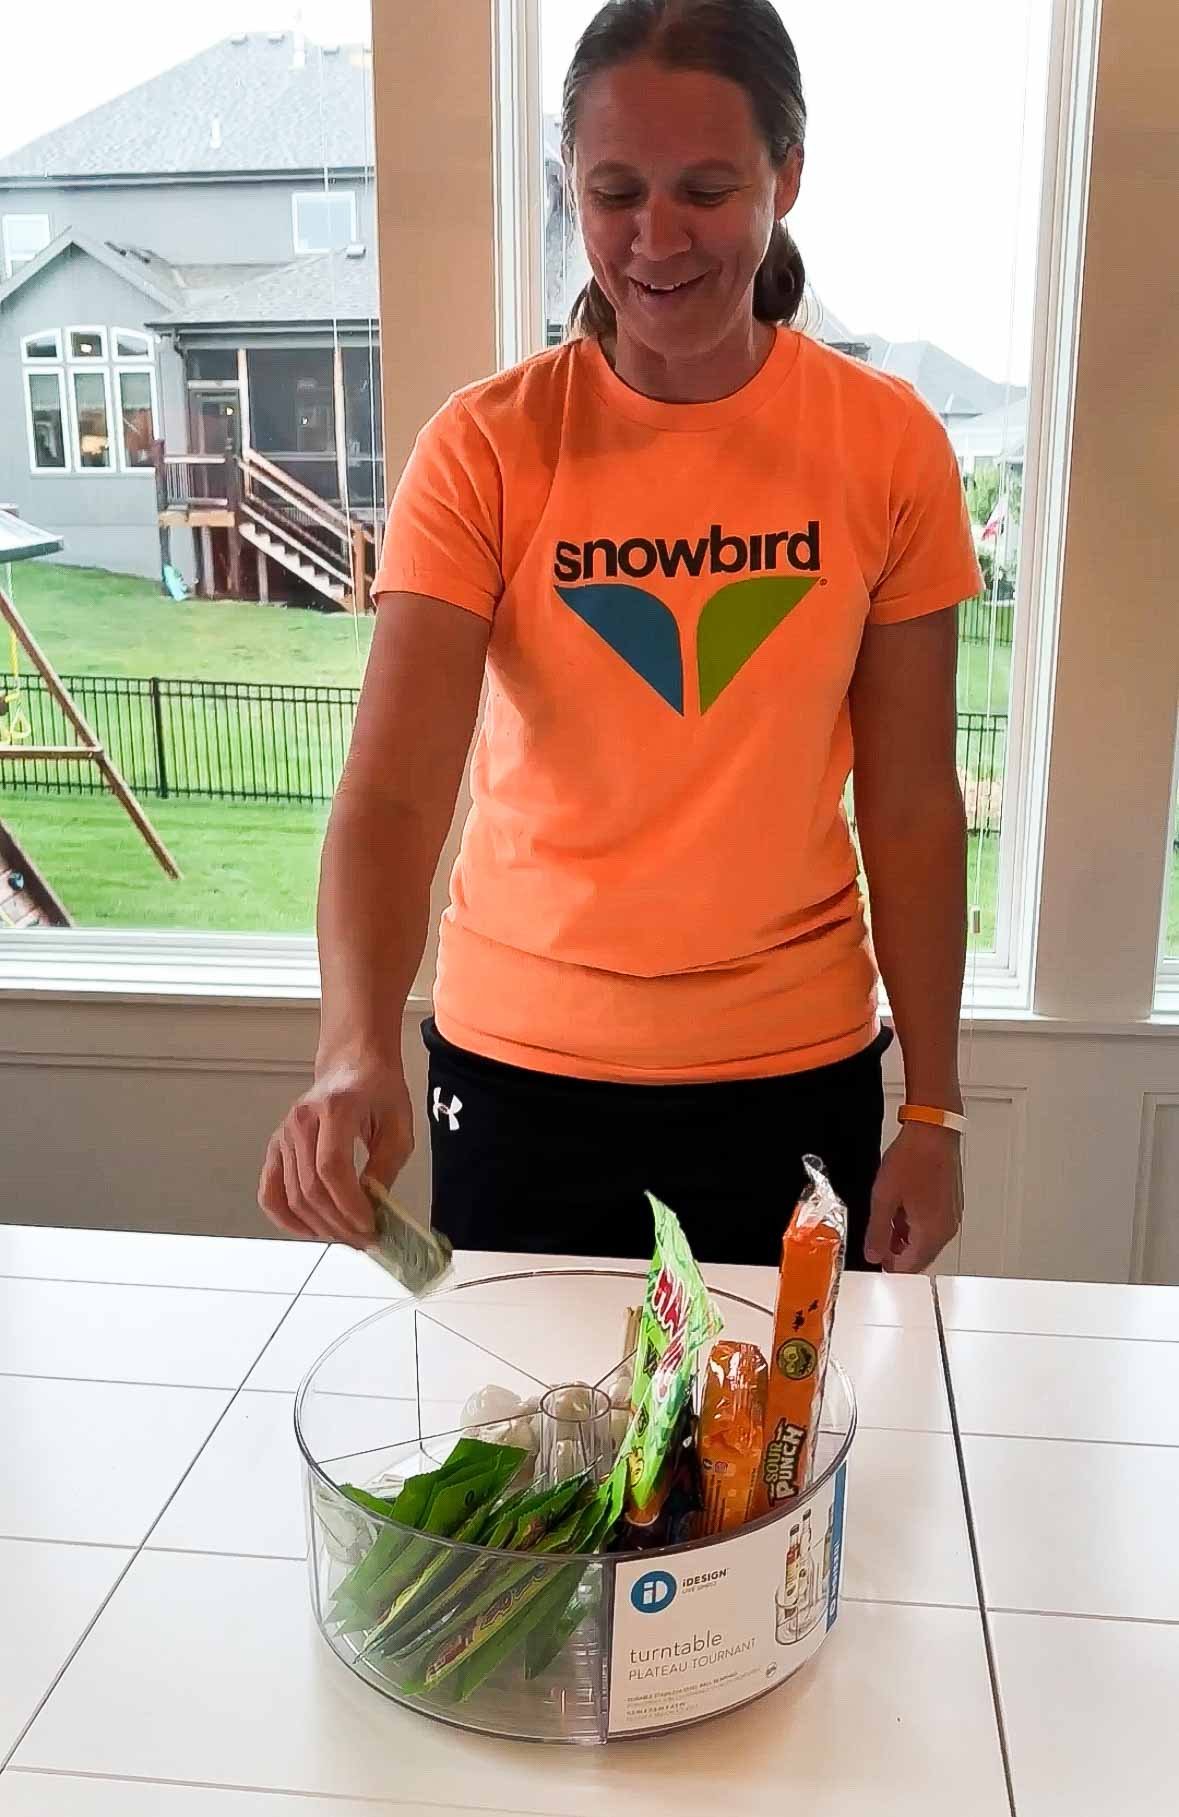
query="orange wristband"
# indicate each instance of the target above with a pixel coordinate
(922, 1113)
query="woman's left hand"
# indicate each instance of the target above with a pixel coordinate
(917, 1199)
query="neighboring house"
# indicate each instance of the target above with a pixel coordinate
(193, 264)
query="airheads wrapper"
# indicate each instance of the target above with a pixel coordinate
(812, 1263)
(678, 1317)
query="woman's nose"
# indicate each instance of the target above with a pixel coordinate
(659, 232)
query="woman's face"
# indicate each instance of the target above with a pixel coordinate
(677, 199)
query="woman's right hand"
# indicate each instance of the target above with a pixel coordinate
(310, 1186)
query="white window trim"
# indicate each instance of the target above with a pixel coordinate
(132, 359)
(39, 360)
(11, 264)
(1167, 988)
(84, 359)
(1005, 976)
(47, 369)
(135, 965)
(125, 366)
(319, 195)
(93, 369)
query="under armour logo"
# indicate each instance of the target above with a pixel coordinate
(449, 1111)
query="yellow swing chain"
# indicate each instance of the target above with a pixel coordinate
(14, 721)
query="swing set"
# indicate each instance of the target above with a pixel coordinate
(25, 899)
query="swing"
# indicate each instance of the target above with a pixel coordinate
(15, 727)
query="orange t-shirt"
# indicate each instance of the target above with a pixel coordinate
(656, 880)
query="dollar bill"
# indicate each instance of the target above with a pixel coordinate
(418, 1258)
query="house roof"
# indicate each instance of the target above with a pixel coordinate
(155, 281)
(334, 286)
(996, 434)
(254, 103)
(948, 385)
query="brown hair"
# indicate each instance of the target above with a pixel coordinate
(743, 40)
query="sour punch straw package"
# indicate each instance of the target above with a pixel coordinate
(812, 1262)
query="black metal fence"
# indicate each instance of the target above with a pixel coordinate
(218, 740)
(980, 619)
(277, 741)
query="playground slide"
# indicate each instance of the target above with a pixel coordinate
(26, 899)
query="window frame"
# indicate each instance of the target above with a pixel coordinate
(1167, 982)
(93, 368)
(31, 369)
(84, 359)
(131, 359)
(163, 966)
(119, 369)
(326, 194)
(8, 263)
(41, 359)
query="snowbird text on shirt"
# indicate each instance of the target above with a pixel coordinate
(766, 552)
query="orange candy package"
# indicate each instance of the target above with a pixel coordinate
(812, 1263)
(729, 1439)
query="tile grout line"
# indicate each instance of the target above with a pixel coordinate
(1079, 1337)
(73, 1652)
(73, 1280)
(975, 1559)
(219, 1785)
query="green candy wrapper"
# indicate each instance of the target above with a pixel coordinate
(678, 1317)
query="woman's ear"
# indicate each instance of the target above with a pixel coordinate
(789, 181)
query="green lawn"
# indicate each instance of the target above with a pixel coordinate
(984, 677)
(248, 867)
(93, 623)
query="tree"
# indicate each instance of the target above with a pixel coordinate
(982, 490)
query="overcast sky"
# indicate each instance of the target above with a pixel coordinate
(920, 198)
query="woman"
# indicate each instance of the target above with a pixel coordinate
(694, 555)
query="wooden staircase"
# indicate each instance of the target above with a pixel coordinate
(253, 498)
(290, 524)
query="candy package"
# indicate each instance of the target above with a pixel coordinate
(678, 1317)
(812, 1263)
(729, 1439)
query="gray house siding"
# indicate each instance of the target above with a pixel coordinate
(108, 519)
(211, 223)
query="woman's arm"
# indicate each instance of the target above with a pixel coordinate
(388, 823)
(912, 831)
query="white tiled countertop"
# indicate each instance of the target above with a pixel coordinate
(158, 1656)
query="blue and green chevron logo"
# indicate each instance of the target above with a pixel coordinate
(734, 624)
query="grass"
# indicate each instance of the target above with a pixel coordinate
(984, 677)
(93, 623)
(248, 867)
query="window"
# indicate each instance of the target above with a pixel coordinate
(45, 346)
(24, 237)
(131, 345)
(324, 220)
(884, 288)
(137, 417)
(229, 718)
(92, 420)
(86, 343)
(1170, 940)
(46, 422)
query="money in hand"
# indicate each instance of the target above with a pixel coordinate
(417, 1258)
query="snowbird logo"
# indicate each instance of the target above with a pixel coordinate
(732, 627)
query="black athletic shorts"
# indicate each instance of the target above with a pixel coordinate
(531, 1162)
